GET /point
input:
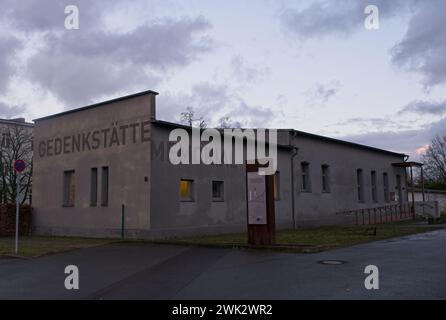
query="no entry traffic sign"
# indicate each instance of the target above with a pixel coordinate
(19, 165)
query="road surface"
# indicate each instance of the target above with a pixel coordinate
(412, 267)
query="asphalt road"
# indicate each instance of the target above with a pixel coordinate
(412, 267)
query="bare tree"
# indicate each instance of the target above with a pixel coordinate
(189, 118)
(435, 161)
(227, 123)
(15, 144)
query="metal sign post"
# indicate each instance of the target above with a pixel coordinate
(17, 216)
(19, 167)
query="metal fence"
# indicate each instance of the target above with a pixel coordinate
(381, 215)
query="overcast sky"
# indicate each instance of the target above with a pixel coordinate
(307, 65)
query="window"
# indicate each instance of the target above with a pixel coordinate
(374, 187)
(386, 187)
(104, 187)
(306, 185)
(325, 178)
(218, 191)
(186, 190)
(94, 187)
(360, 185)
(5, 140)
(277, 186)
(399, 188)
(69, 188)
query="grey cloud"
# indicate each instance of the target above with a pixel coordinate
(252, 116)
(8, 47)
(78, 79)
(213, 102)
(205, 98)
(417, 107)
(424, 45)
(436, 108)
(164, 43)
(246, 73)
(321, 93)
(7, 112)
(405, 141)
(79, 65)
(341, 17)
(375, 122)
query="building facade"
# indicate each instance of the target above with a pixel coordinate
(105, 168)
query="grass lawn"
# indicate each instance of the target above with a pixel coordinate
(305, 240)
(34, 246)
(315, 239)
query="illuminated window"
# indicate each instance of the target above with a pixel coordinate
(277, 186)
(186, 190)
(69, 189)
(218, 192)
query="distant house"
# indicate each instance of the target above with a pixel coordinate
(15, 142)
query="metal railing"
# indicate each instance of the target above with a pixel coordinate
(381, 215)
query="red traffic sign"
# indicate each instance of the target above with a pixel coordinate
(19, 165)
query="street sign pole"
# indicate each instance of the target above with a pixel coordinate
(17, 215)
(19, 167)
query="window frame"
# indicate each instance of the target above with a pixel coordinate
(221, 198)
(360, 185)
(94, 187)
(105, 186)
(305, 176)
(386, 186)
(374, 186)
(325, 178)
(67, 202)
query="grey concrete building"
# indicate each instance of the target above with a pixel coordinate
(91, 162)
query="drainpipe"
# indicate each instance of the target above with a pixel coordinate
(294, 154)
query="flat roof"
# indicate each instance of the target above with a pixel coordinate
(304, 134)
(16, 122)
(185, 127)
(346, 143)
(99, 104)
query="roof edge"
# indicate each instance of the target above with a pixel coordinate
(348, 143)
(306, 134)
(10, 121)
(142, 93)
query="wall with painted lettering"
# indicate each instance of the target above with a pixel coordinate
(115, 135)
